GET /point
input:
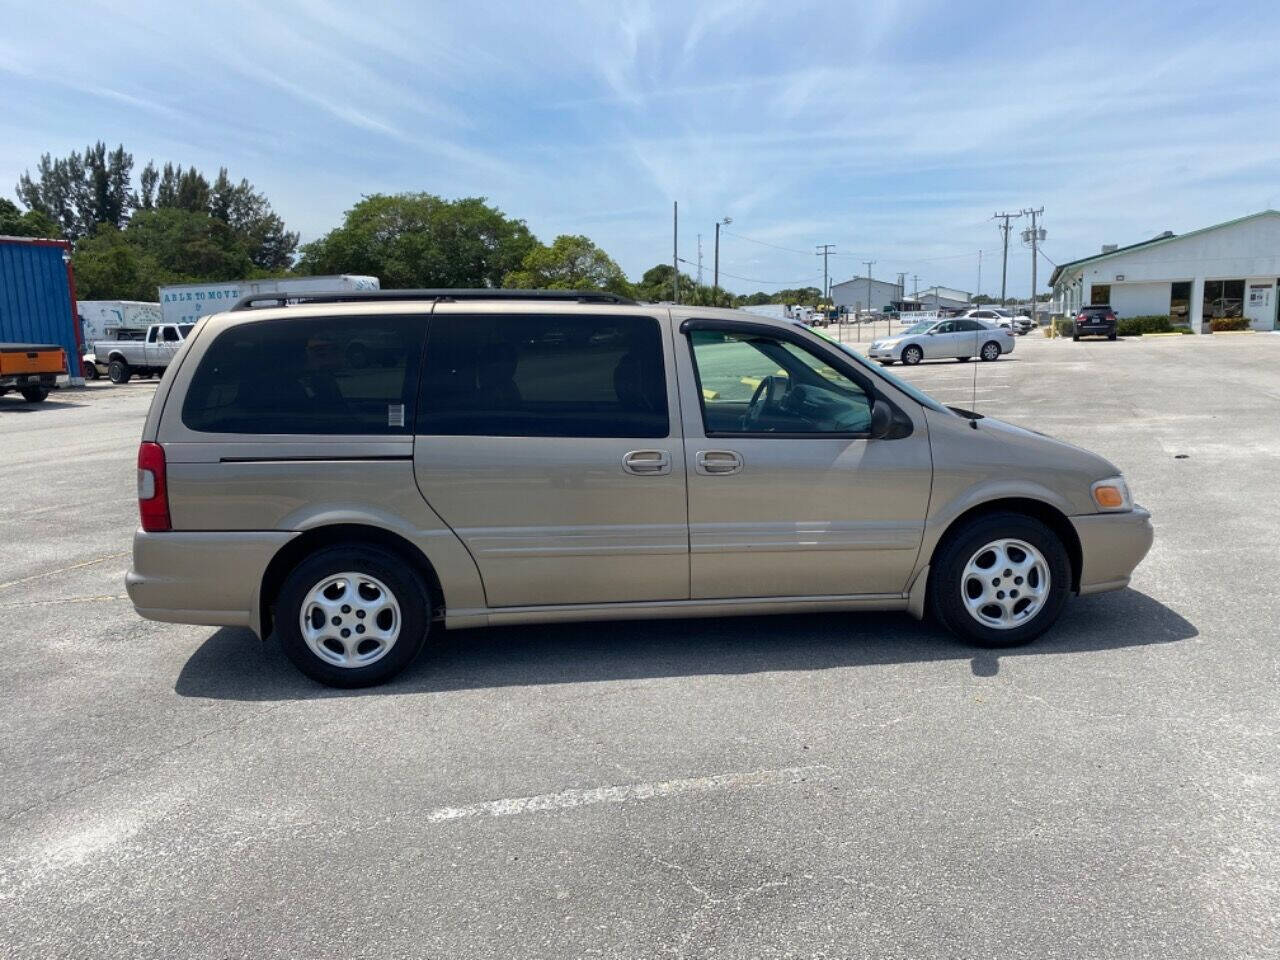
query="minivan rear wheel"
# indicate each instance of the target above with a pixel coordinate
(352, 616)
(1000, 580)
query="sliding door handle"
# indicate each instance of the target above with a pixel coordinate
(717, 462)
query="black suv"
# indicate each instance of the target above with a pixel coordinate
(1095, 320)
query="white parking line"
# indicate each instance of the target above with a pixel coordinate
(568, 799)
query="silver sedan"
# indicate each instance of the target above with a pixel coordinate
(958, 339)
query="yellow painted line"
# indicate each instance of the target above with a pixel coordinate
(708, 394)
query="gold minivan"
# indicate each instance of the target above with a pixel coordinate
(356, 470)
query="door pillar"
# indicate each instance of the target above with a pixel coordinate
(1196, 313)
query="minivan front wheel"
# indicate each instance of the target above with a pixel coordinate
(1001, 580)
(912, 355)
(352, 616)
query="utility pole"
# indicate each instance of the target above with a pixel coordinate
(915, 286)
(978, 292)
(902, 285)
(825, 249)
(869, 264)
(699, 259)
(715, 282)
(1004, 269)
(1035, 240)
(675, 251)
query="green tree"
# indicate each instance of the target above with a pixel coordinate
(32, 223)
(157, 247)
(570, 263)
(420, 240)
(81, 192)
(753, 299)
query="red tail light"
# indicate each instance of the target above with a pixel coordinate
(153, 490)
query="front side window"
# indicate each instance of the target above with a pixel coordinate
(170, 334)
(543, 375)
(330, 376)
(753, 383)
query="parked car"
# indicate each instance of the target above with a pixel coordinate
(1097, 320)
(959, 339)
(151, 355)
(1019, 324)
(697, 462)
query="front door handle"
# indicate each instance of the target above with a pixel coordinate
(717, 462)
(647, 463)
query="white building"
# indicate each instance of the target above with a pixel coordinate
(1228, 270)
(943, 298)
(852, 294)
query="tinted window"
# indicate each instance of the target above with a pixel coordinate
(170, 334)
(349, 375)
(758, 384)
(540, 375)
(185, 329)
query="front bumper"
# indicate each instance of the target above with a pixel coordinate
(882, 353)
(205, 578)
(1111, 546)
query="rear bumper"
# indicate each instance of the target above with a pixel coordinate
(17, 381)
(1095, 329)
(204, 578)
(1111, 546)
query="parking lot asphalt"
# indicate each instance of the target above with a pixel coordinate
(799, 786)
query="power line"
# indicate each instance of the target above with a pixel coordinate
(762, 243)
(768, 283)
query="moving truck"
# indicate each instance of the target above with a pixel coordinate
(188, 302)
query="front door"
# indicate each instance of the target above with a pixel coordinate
(787, 495)
(549, 440)
(940, 341)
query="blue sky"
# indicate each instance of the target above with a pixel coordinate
(890, 129)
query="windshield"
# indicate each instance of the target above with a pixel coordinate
(915, 394)
(918, 327)
(185, 328)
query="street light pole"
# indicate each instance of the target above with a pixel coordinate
(715, 283)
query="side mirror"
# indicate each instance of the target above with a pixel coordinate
(881, 419)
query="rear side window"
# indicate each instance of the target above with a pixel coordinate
(348, 375)
(540, 375)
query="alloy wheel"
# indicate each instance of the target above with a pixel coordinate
(350, 619)
(1005, 584)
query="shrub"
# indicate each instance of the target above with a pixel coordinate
(1137, 326)
(1228, 323)
(1064, 327)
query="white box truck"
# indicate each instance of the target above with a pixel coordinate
(101, 318)
(188, 302)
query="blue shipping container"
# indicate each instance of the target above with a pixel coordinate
(36, 301)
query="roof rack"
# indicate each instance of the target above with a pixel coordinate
(260, 301)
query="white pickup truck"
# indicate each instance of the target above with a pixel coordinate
(143, 358)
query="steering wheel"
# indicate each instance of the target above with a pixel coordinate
(767, 398)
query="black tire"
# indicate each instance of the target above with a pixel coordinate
(990, 351)
(34, 394)
(953, 554)
(400, 579)
(118, 371)
(1075, 338)
(90, 370)
(1111, 336)
(911, 355)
